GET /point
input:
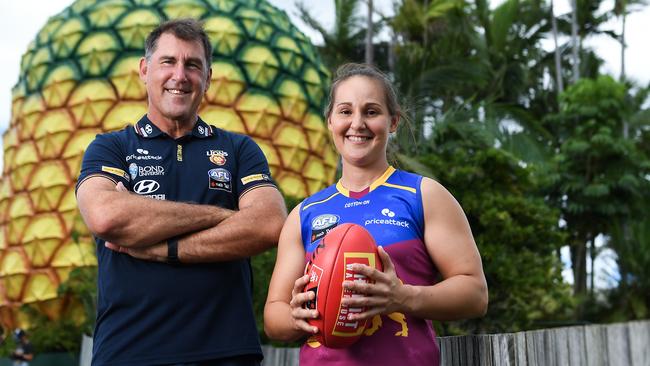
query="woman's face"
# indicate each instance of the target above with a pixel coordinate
(360, 121)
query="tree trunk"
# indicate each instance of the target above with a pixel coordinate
(579, 263)
(623, 46)
(579, 258)
(593, 253)
(369, 35)
(558, 61)
(626, 126)
(391, 52)
(574, 41)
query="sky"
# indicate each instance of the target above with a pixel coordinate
(21, 20)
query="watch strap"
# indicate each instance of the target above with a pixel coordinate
(172, 251)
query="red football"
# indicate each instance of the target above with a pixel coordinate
(328, 267)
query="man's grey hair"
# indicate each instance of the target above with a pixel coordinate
(186, 29)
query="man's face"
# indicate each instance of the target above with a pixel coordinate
(176, 77)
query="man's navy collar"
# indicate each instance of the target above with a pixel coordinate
(145, 128)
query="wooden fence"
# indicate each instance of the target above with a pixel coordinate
(623, 344)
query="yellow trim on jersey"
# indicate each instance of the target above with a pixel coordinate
(378, 182)
(410, 189)
(317, 202)
(382, 180)
(344, 191)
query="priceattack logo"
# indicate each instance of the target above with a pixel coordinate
(387, 219)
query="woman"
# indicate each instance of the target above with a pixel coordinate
(432, 268)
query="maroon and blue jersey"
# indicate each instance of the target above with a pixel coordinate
(391, 210)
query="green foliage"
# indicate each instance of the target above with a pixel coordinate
(345, 41)
(516, 232)
(62, 334)
(81, 286)
(631, 240)
(8, 344)
(47, 335)
(597, 174)
(262, 270)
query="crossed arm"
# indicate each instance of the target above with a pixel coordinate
(448, 239)
(140, 226)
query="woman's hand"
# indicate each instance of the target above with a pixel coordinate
(300, 314)
(386, 295)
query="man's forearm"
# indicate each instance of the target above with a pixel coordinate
(164, 220)
(232, 239)
(249, 231)
(130, 220)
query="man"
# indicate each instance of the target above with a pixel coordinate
(177, 208)
(24, 351)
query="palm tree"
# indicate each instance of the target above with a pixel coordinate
(575, 41)
(558, 58)
(621, 9)
(349, 33)
(369, 34)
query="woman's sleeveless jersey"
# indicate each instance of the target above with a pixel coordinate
(391, 210)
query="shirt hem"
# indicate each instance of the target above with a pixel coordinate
(193, 357)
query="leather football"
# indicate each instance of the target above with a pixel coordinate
(328, 267)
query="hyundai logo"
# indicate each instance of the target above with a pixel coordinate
(146, 187)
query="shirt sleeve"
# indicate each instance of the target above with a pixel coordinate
(253, 169)
(103, 157)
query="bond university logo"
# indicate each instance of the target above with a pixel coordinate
(133, 170)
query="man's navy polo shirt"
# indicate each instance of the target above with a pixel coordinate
(156, 313)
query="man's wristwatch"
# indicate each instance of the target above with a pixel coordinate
(172, 251)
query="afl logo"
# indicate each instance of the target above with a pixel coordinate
(220, 175)
(324, 221)
(146, 186)
(322, 224)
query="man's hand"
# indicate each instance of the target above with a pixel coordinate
(154, 253)
(121, 188)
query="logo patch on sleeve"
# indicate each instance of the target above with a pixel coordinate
(115, 171)
(254, 178)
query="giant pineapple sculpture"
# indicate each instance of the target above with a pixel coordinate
(79, 77)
